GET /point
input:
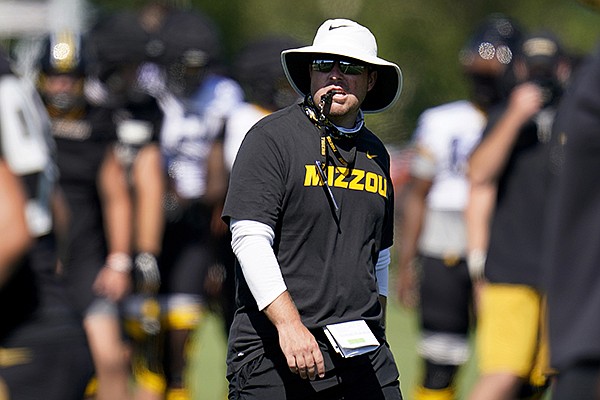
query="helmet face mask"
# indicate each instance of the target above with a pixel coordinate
(62, 93)
(541, 61)
(184, 78)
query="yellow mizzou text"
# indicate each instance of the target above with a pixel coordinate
(353, 179)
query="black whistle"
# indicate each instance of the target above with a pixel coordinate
(325, 103)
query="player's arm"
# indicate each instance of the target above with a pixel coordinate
(491, 155)
(114, 280)
(216, 174)
(149, 185)
(411, 214)
(486, 164)
(13, 226)
(217, 178)
(478, 216)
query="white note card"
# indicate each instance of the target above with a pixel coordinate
(351, 338)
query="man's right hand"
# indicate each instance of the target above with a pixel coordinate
(525, 101)
(299, 346)
(301, 351)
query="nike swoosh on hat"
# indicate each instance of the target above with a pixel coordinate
(331, 27)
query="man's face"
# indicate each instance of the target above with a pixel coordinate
(62, 84)
(62, 91)
(350, 79)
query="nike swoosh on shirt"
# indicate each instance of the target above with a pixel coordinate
(371, 156)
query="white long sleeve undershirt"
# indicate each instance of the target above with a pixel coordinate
(252, 243)
(382, 271)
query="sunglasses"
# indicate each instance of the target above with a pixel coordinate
(347, 67)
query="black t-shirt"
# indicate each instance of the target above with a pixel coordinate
(572, 255)
(517, 225)
(329, 271)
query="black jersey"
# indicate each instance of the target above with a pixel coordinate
(147, 110)
(572, 251)
(329, 270)
(45, 353)
(81, 148)
(517, 225)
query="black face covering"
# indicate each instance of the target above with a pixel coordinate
(487, 90)
(546, 79)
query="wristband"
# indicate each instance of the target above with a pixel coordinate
(120, 262)
(476, 264)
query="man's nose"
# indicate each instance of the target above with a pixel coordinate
(335, 72)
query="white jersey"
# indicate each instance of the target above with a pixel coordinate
(238, 124)
(190, 129)
(445, 137)
(26, 146)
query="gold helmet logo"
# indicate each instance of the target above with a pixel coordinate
(64, 52)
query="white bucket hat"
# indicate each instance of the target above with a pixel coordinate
(346, 38)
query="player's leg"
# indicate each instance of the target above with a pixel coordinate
(109, 351)
(445, 312)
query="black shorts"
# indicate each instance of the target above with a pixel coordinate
(187, 251)
(54, 369)
(373, 376)
(446, 296)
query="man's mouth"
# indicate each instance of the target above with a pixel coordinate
(336, 91)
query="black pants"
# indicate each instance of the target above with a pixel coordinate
(580, 382)
(373, 376)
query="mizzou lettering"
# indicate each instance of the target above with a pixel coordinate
(353, 179)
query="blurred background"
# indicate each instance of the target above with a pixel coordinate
(423, 37)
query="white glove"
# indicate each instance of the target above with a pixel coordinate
(147, 268)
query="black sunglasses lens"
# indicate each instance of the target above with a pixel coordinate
(323, 65)
(347, 67)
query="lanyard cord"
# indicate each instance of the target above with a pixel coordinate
(327, 141)
(328, 131)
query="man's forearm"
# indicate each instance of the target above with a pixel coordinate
(282, 311)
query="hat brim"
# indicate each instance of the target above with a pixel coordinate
(384, 93)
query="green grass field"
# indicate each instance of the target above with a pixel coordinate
(207, 372)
